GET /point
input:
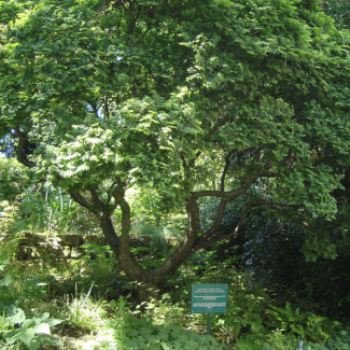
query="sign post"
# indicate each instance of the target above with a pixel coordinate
(209, 298)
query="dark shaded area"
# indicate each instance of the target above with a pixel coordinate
(339, 10)
(274, 251)
(9, 149)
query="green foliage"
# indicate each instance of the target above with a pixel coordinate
(27, 206)
(7, 216)
(130, 333)
(276, 252)
(253, 319)
(301, 323)
(18, 288)
(339, 10)
(160, 237)
(50, 210)
(14, 178)
(172, 96)
(9, 11)
(18, 331)
(97, 266)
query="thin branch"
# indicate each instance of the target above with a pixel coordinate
(94, 107)
(84, 202)
(227, 165)
(265, 174)
(182, 156)
(144, 34)
(258, 153)
(217, 223)
(205, 243)
(298, 206)
(109, 194)
(96, 199)
(133, 25)
(124, 6)
(229, 195)
(278, 210)
(21, 157)
(218, 124)
(106, 106)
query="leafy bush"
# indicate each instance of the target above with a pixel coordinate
(18, 331)
(253, 315)
(98, 265)
(14, 177)
(276, 253)
(301, 323)
(129, 333)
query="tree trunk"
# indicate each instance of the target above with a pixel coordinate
(121, 247)
(148, 291)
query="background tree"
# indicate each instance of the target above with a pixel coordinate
(121, 93)
(339, 10)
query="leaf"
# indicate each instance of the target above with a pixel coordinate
(256, 327)
(42, 328)
(17, 316)
(34, 344)
(298, 329)
(27, 323)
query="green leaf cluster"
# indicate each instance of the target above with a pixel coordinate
(131, 333)
(19, 332)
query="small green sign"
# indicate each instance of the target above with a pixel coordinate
(209, 298)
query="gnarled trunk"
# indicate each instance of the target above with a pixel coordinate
(121, 247)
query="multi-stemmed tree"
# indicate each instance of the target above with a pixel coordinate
(109, 94)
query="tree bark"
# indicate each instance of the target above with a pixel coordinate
(121, 246)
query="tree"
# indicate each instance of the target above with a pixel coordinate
(149, 92)
(339, 10)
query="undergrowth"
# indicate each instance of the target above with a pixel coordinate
(39, 301)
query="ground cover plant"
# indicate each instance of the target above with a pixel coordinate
(255, 319)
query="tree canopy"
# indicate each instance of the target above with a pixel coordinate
(339, 10)
(165, 93)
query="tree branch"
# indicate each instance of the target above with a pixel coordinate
(205, 243)
(216, 225)
(84, 202)
(296, 206)
(278, 210)
(186, 245)
(133, 25)
(96, 199)
(21, 157)
(265, 174)
(220, 194)
(227, 165)
(105, 98)
(144, 34)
